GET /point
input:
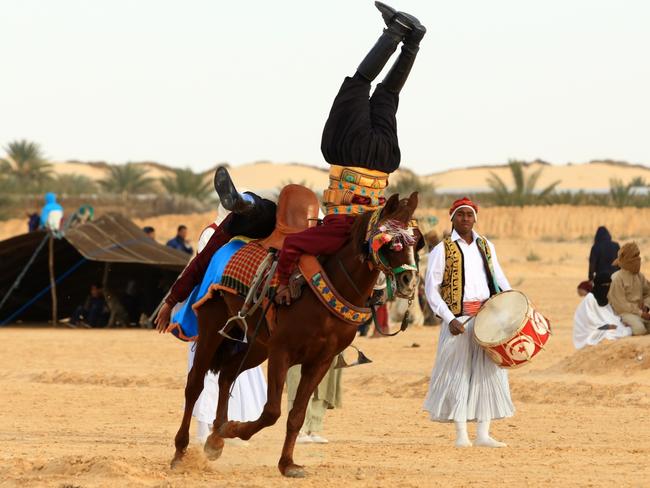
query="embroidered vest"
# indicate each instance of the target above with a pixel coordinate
(452, 287)
(354, 190)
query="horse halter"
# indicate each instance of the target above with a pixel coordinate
(396, 236)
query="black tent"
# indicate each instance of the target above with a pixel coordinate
(111, 249)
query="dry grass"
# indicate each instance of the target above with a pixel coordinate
(557, 222)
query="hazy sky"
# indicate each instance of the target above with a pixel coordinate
(193, 83)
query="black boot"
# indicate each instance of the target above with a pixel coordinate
(230, 198)
(393, 34)
(413, 26)
(399, 72)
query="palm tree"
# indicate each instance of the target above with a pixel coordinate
(126, 179)
(73, 184)
(524, 191)
(25, 165)
(187, 184)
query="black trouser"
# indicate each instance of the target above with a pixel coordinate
(258, 223)
(361, 130)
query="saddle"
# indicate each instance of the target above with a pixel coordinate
(297, 210)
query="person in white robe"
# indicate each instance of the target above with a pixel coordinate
(249, 391)
(595, 320)
(465, 384)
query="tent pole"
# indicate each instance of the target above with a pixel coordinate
(53, 281)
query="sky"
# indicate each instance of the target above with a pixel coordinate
(194, 83)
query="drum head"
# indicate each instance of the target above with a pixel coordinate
(501, 317)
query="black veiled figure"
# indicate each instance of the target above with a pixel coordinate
(603, 253)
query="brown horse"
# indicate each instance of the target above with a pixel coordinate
(306, 333)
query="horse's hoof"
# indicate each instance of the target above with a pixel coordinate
(294, 471)
(212, 449)
(177, 460)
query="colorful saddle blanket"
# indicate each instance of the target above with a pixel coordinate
(241, 268)
(183, 323)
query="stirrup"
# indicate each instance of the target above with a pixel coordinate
(361, 359)
(241, 318)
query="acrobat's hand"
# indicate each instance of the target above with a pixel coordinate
(283, 295)
(163, 318)
(456, 327)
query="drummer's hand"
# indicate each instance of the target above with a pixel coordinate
(456, 327)
(163, 318)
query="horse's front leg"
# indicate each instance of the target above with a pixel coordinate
(213, 446)
(277, 374)
(206, 346)
(310, 376)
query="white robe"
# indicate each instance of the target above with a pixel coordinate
(589, 316)
(249, 391)
(465, 384)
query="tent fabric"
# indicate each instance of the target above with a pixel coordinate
(115, 239)
(111, 246)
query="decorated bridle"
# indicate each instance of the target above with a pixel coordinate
(396, 236)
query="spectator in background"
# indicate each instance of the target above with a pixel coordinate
(150, 232)
(595, 320)
(94, 312)
(603, 253)
(33, 221)
(180, 241)
(52, 213)
(629, 292)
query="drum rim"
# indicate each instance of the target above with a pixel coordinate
(517, 330)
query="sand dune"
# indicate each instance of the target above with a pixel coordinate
(267, 176)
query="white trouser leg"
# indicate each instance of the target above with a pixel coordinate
(483, 438)
(203, 430)
(462, 439)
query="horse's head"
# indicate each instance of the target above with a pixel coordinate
(391, 239)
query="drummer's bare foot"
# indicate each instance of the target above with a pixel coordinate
(489, 442)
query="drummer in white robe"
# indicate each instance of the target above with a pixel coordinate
(595, 320)
(463, 272)
(249, 390)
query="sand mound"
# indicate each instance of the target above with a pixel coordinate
(75, 467)
(628, 355)
(581, 393)
(103, 379)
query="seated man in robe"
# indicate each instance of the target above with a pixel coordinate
(629, 293)
(595, 320)
(94, 312)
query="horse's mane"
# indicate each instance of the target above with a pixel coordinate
(358, 233)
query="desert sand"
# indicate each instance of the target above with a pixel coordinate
(90, 408)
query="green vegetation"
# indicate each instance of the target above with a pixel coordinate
(524, 192)
(187, 184)
(73, 185)
(24, 166)
(126, 179)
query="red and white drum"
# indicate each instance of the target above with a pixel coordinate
(510, 330)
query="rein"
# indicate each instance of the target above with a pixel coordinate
(376, 237)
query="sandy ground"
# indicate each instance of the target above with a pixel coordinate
(85, 408)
